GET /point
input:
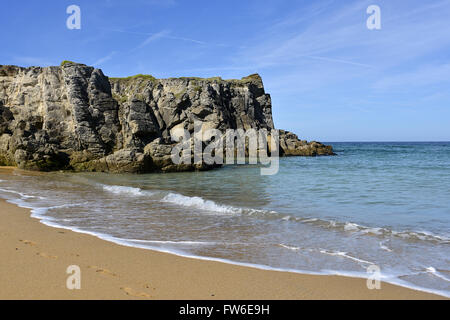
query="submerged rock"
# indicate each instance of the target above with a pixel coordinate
(73, 117)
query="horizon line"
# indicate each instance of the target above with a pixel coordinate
(386, 141)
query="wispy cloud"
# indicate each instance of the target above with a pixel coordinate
(340, 61)
(151, 38)
(104, 59)
(327, 44)
(148, 39)
(163, 34)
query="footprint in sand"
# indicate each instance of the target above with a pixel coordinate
(46, 255)
(148, 286)
(133, 293)
(28, 242)
(103, 271)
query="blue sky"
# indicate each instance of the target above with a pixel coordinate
(330, 78)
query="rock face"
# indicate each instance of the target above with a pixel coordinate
(74, 117)
(292, 146)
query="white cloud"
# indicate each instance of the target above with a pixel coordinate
(328, 43)
(151, 38)
(104, 59)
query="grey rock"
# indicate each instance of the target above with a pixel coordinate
(74, 117)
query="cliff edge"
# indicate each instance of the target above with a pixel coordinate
(73, 117)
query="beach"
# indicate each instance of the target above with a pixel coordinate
(286, 151)
(35, 257)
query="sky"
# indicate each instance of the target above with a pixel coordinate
(329, 76)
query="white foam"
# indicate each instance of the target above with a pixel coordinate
(385, 248)
(419, 235)
(436, 274)
(172, 242)
(310, 220)
(345, 255)
(126, 190)
(22, 195)
(199, 203)
(375, 231)
(289, 247)
(432, 235)
(351, 227)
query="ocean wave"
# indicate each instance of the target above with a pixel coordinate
(344, 255)
(385, 248)
(183, 245)
(181, 242)
(327, 252)
(289, 247)
(209, 205)
(41, 212)
(372, 231)
(351, 227)
(22, 195)
(435, 273)
(127, 190)
(200, 203)
(175, 198)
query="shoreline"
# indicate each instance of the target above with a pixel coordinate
(109, 277)
(124, 243)
(35, 258)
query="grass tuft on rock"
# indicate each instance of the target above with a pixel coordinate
(136, 77)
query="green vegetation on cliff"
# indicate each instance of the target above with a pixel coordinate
(136, 77)
(67, 62)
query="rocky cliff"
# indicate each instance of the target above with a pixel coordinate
(74, 117)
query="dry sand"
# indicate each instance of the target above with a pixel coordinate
(34, 259)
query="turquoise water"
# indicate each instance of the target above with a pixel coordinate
(386, 204)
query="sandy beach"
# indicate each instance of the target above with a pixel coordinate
(35, 257)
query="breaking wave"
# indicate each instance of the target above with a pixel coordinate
(200, 203)
(127, 190)
(211, 206)
(372, 231)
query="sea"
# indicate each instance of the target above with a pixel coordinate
(383, 204)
